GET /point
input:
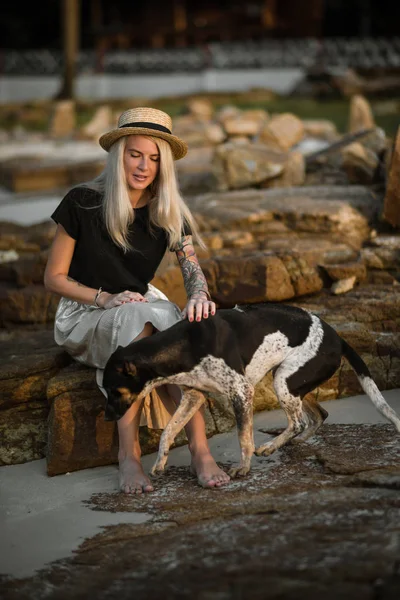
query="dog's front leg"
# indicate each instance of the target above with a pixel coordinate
(243, 407)
(189, 405)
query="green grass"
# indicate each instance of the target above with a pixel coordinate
(336, 111)
(35, 116)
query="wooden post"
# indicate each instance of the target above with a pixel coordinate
(96, 18)
(268, 14)
(180, 22)
(70, 18)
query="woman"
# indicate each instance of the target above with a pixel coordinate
(111, 235)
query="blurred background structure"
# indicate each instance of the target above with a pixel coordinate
(105, 49)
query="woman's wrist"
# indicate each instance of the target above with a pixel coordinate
(200, 295)
(100, 298)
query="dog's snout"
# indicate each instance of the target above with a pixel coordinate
(119, 400)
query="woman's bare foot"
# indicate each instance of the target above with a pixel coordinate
(132, 479)
(208, 473)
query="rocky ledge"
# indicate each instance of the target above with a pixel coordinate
(321, 519)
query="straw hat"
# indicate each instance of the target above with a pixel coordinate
(145, 121)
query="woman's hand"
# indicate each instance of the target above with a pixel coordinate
(106, 300)
(198, 306)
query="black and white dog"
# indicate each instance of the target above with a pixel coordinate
(229, 354)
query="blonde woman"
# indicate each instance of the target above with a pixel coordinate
(111, 236)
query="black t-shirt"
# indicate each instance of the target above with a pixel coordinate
(97, 261)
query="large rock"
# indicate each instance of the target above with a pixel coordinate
(237, 166)
(38, 174)
(294, 173)
(28, 361)
(344, 214)
(360, 163)
(78, 435)
(255, 277)
(198, 133)
(63, 119)
(27, 238)
(23, 432)
(361, 116)
(25, 271)
(100, 123)
(247, 123)
(382, 252)
(391, 211)
(30, 304)
(320, 129)
(282, 131)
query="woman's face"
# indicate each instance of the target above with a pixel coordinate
(141, 162)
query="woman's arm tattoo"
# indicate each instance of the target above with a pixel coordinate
(77, 282)
(193, 277)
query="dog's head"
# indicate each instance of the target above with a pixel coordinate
(122, 384)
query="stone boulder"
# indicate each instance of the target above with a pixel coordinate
(63, 119)
(101, 122)
(361, 116)
(360, 164)
(28, 361)
(391, 211)
(238, 166)
(30, 304)
(282, 132)
(342, 213)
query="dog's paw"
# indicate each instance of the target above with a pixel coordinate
(157, 471)
(264, 450)
(297, 440)
(236, 472)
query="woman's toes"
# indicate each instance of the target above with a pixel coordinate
(221, 479)
(132, 478)
(209, 475)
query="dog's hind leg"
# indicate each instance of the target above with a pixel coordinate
(243, 407)
(191, 401)
(292, 405)
(316, 415)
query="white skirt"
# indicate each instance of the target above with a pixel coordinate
(91, 335)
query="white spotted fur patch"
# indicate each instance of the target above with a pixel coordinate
(275, 348)
(210, 375)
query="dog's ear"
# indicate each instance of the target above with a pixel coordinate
(130, 369)
(126, 368)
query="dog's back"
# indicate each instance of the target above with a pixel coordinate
(249, 339)
(268, 335)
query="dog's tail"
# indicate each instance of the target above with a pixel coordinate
(368, 384)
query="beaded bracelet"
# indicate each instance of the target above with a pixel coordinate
(99, 291)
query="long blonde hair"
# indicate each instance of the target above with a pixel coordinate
(167, 209)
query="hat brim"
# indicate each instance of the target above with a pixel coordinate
(179, 147)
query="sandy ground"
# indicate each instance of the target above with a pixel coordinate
(44, 519)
